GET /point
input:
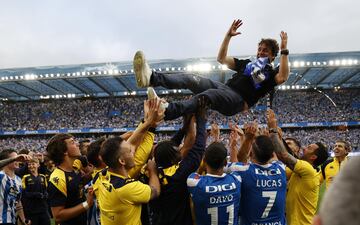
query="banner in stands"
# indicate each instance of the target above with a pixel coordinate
(169, 128)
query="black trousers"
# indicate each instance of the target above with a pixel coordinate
(38, 218)
(222, 98)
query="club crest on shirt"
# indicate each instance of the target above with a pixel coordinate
(56, 180)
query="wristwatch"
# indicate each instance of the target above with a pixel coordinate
(273, 130)
(284, 52)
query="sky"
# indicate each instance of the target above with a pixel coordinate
(62, 32)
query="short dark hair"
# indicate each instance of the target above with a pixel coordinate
(166, 154)
(215, 155)
(321, 153)
(24, 151)
(93, 151)
(272, 44)
(56, 147)
(110, 151)
(4, 154)
(263, 148)
(294, 140)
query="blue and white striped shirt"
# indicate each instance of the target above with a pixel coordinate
(10, 193)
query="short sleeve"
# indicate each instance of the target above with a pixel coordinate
(56, 197)
(304, 169)
(137, 192)
(192, 182)
(240, 64)
(237, 168)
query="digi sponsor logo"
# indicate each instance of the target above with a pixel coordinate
(219, 188)
(271, 172)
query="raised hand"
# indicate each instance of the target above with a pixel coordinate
(215, 132)
(23, 158)
(233, 139)
(271, 119)
(284, 39)
(155, 112)
(203, 107)
(234, 27)
(251, 130)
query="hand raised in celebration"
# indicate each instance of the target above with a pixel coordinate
(284, 39)
(234, 27)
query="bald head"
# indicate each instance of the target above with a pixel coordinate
(341, 203)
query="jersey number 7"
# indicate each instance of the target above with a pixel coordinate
(272, 196)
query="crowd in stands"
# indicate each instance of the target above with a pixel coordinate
(125, 112)
(176, 170)
(305, 136)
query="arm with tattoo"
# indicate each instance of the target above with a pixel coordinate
(280, 149)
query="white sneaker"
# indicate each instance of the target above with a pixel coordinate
(142, 70)
(152, 95)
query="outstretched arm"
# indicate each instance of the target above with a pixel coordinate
(280, 149)
(19, 158)
(284, 70)
(250, 133)
(223, 58)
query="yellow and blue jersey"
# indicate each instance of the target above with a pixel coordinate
(120, 199)
(65, 189)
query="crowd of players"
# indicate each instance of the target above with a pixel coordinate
(294, 106)
(260, 176)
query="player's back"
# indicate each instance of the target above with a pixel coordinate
(263, 193)
(216, 198)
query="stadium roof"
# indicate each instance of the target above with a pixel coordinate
(321, 70)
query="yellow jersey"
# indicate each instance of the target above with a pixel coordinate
(330, 169)
(120, 199)
(303, 193)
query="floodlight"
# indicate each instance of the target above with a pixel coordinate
(224, 67)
